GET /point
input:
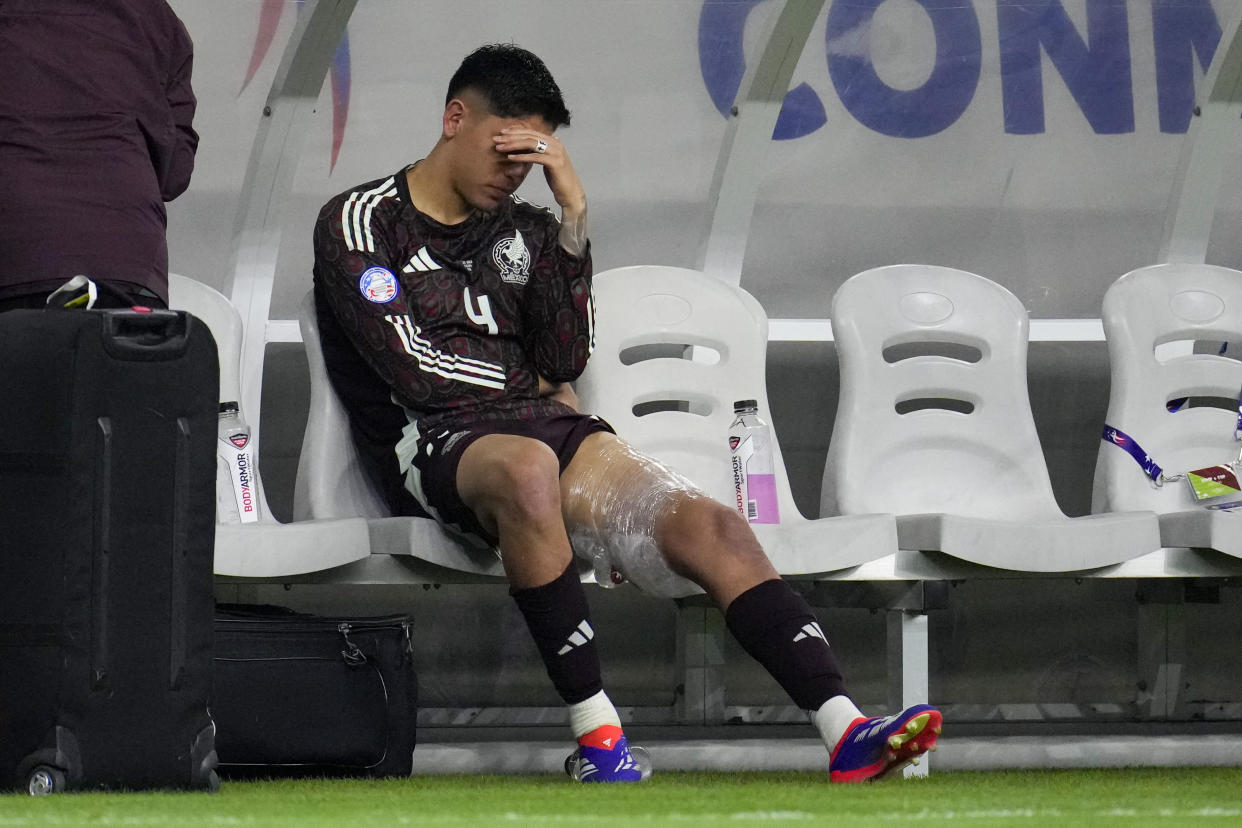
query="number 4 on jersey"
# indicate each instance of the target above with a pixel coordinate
(482, 314)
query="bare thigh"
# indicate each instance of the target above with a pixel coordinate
(510, 483)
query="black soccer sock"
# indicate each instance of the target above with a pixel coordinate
(559, 621)
(777, 627)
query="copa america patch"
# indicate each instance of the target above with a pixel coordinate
(378, 285)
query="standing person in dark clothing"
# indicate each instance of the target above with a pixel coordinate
(96, 133)
(473, 308)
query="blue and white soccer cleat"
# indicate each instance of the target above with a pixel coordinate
(604, 755)
(874, 748)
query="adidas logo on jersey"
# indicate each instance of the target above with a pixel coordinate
(577, 638)
(421, 262)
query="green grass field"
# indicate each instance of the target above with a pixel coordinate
(1182, 796)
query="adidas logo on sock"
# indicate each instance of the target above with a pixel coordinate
(577, 638)
(811, 630)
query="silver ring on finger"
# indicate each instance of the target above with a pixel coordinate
(541, 146)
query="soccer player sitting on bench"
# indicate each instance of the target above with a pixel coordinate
(475, 309)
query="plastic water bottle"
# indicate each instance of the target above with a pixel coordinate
(237, 497)
(754, 477)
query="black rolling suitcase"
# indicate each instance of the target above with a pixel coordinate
(305, 695)
(107, 471)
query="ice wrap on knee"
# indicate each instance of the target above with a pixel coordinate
(620, 534)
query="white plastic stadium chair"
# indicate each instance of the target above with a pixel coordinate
(331, 482)
(674, 348)
(1164, 305)
(934, 422)
(266, 548)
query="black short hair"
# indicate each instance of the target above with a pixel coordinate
(515, 82)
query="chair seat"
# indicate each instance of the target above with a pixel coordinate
(424, 539)
(1054, 545)
(814, 547)
(1203, 529)
(265, 550)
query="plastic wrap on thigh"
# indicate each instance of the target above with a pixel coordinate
(616, 532)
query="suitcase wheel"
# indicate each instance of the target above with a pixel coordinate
(44, 780)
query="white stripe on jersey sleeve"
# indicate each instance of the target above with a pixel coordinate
(352, 215)
(366, 220)
(443, 364)
(347, 223)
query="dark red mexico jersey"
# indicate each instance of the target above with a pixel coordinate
(458, 320)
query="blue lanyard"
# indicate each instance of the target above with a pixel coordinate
(1150, 468)
(1119, 438)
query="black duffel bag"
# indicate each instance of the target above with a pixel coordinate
(304, 695)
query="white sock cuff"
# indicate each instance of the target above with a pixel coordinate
(591, 713)
(833, 718)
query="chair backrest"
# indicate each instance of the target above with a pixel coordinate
(224, 321)
(674, 348)
(933, 414)
(330, 481)
(1151, 316)
(221, 318)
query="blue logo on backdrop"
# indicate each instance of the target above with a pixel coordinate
(1094, 65)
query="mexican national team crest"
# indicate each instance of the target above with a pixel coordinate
(513, 259)
(378, 285)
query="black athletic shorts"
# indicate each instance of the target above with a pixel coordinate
(439, 453)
